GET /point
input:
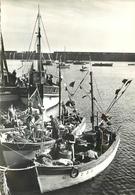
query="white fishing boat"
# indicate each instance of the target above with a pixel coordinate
(47, 83)
(45, 178)
(83, 68)
(19, 144)
(91, 153)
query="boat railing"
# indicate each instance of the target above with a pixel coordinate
(51, 89)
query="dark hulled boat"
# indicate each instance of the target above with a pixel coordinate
(103, 64)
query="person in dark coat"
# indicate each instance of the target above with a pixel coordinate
(55, 127)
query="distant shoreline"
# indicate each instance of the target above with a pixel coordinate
(74, 56)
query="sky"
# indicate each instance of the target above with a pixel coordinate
(71, 25)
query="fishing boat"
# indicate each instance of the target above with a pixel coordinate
(47, 83)
(89, 155)
(79, 62)
(22, 136)
(20, 144)
(8, 88)
(47, 62)
(103, 64)
(83, 68)
(131, 64)
(63, 65)
(29, 133)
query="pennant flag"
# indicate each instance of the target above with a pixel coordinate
(70, 103)
(72, 84)
(128, 82)
(84, 96)
(94, 99)
(117, 91)
(66, 89)
(104, 117)
(124, 81)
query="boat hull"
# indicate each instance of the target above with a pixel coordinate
(8, 94)
(103, 64)
(46, 177)
(64, 67)
(86, 172)
(14, 154)
(83, 70)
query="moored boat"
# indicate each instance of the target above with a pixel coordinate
(103, 64)
(89, 155)
(84, 68)
(63, 65)
(79, 62)
(50, 178)
(47, 83)
(131, 64)
(19, 145)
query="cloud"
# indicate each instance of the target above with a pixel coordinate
(99, 25)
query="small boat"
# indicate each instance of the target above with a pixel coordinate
(47, 62)
(103, 64)
(47, 83)
(84, 68)
(78, 62)
(131, 64)
(22, 138)
(63, 65)
(88, 156)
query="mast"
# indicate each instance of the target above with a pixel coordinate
(40, 68)
(39, 44)
(3, 62)
(92, 102)
(60, 90)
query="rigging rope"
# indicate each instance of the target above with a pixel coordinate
(46, 36)
(118, 97)
(80, 83)
(99, 94)
(16, 152)
(33, 34)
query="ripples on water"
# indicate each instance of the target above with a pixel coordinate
(119, 177)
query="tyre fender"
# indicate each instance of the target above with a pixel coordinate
(74, 172)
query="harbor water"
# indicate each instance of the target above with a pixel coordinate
(119, 177)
